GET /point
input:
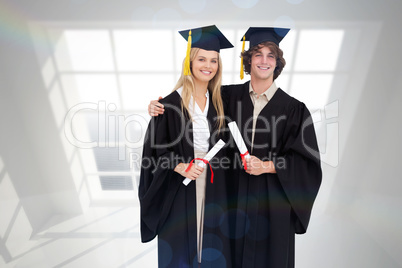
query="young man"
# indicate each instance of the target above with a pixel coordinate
(276, 188)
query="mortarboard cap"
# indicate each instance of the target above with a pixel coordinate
(208, 38)
(257, 35)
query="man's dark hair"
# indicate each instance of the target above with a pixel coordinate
(278, 54)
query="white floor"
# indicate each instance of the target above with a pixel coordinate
(103, 237)
(109, 237)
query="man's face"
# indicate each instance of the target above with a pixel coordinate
(263, 63)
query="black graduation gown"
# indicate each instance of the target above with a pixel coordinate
(168, 208)
(271, 208)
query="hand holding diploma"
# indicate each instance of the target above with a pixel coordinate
(206, 160)
(234, 129)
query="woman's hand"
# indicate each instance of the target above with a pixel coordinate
(192, 174)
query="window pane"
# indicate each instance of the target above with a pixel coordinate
(96, 87)
(312, 89)
(113, 183)
(144, 50)
(318, 50)
(139, 90)
(89, 50)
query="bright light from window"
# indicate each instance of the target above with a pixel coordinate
(89, 50)
(235, 60)
(318, 50)
(180, 49)
(283, 82)
(96, 87)
(229, 55)
(144, 50)
(138, 90)
(312, 89)
(287, 46)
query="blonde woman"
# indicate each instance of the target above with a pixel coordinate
(190, 221)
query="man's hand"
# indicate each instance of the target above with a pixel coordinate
(155, 108)
(257, 167)
(192, 174)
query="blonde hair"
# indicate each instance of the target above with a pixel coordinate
(214, 87)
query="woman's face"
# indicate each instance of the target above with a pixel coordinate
(205, 65)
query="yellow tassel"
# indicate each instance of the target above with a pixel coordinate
(186, 70)
(241, 61)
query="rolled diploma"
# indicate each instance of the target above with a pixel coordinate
(234, 129)
(207, 157)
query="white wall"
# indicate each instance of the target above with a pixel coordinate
(37, 175)
(359, 207)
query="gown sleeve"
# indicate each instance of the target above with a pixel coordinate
(300, 173)
(158, 180)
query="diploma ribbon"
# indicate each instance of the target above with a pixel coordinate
(205, 162)
(243, 158)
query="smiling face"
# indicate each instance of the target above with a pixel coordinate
(205, 65)
(262, 65)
